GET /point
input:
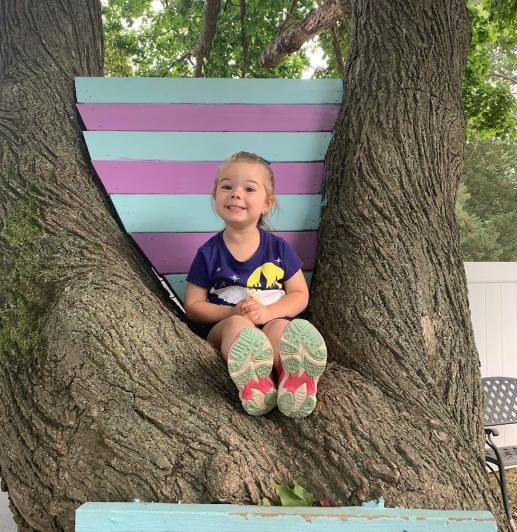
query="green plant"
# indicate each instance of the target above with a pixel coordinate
(295, 495)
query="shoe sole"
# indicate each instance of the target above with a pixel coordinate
(251, 357)
(302, 350)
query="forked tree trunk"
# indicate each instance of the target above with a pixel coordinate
(106, 395)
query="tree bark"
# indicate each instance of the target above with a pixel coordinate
(293, 38)
(107, 395)
(398, 315)
(336, 46)
(204, 47)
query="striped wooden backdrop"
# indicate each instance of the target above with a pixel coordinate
(156, 144)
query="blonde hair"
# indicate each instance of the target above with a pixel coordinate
(269, 184)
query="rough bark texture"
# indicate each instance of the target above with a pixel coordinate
(292, 39)
(104, 392)
(336, 46)
(204, 47)
(399, 314)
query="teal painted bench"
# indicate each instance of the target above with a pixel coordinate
(156, 145)
(161, 517)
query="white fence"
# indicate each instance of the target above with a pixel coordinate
(493, 305)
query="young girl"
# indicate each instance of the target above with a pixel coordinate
(247, 284)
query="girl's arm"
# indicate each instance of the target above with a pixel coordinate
(197, 308)
(295, 301)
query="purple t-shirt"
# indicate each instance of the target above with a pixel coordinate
(228, 280)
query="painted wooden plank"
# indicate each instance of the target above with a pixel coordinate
(194, 213)
(202, 146)
(178, 282)
(197, 177)
(208, 117)
(174, 252)
(207, 90)
(161, 517)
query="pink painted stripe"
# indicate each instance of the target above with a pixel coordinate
(208, 117)
(175, 177)
(174, 252)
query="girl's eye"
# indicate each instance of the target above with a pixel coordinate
(226, 187)
(250, 189)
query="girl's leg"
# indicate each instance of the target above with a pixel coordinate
(303, 356)
(223, 334)
(274, 330)
(249, 357)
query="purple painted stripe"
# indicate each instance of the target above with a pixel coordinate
(174, 252)
(208, 117)
(175, 177)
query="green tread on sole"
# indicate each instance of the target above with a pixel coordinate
(260, 404)
(287, 405)
(313, 369)
(250, 342)
(264, 370)
(291, 364)
(297, 333)
(301, 331)
(240, 379)
(285, 402)
(253, 409)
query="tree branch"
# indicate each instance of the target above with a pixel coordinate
(204, 46)
(244, 40)
(186, 56)
(288, 16)
(501, 75)
(294, 37)
(337, 50)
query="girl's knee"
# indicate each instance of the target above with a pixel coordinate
(229, 330)
(275, 326)
(233, 325)
(237, 321)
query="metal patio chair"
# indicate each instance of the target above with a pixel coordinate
(500, 409)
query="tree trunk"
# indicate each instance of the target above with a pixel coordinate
(106, 394)
(398, 316)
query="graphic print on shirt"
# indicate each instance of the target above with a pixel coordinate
(271, 273)
(228, 280)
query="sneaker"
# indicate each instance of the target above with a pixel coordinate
(250, 362)
(303, 355)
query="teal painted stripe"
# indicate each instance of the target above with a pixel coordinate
(207, 90)
(154, 517)
(194, 212)
(202, 146)
(178, 282)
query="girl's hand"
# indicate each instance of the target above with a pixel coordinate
(256, 312)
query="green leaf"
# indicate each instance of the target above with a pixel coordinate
(265, 502)
(296, 495)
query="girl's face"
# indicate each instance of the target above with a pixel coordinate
(241, 194)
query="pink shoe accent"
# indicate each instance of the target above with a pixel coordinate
(294, 381)
(263, 385)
